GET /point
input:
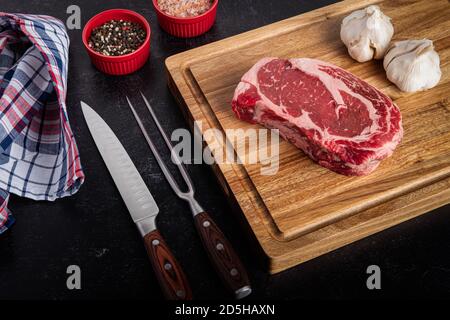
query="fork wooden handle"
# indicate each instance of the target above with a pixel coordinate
(223, 257)
(168, 271)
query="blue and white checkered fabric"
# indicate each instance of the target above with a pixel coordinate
(39, 157)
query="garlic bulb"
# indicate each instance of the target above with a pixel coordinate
(367, 33)
(412, 65)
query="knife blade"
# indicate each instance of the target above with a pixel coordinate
(140, 204)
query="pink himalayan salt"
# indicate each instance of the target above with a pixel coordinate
(184, 8)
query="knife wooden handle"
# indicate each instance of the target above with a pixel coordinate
(168, 271)
(223, 257)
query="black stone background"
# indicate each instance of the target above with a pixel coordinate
(93, 229)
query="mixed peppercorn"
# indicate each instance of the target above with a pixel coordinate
(117, 37)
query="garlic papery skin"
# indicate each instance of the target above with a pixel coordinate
(413, 65)
(367, 33)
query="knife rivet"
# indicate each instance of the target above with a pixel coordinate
(206, 224)
(234, 272)
(219, 246)
(167, 266)
(155, 242)
(180, 293)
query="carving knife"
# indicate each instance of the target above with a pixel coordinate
(140, 204)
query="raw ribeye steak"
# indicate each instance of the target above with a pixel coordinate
(337, 119)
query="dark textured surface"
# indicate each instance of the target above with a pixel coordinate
(93, 229)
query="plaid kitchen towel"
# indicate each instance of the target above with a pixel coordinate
(38, 154)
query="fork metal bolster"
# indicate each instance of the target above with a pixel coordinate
(196, 208)
(146, 225)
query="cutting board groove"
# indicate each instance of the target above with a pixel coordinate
(305, 210)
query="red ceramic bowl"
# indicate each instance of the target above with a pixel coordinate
(186, 27)
(118, 65)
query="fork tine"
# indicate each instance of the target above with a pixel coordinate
(155, 152)
(179, 163)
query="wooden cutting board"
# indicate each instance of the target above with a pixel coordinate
(305, 210)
